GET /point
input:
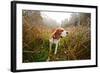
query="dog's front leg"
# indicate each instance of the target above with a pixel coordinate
(56, 48)
(50, 47)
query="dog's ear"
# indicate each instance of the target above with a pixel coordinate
(60, 31)
(56, 34)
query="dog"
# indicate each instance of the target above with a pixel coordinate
(56, 36)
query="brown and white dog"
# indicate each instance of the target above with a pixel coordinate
(55, 38)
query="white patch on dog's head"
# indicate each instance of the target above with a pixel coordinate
(64, 33)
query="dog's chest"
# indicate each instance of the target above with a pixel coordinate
(54, 41)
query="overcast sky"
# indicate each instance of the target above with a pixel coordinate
(58, 16)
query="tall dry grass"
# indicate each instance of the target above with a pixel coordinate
(75, 46)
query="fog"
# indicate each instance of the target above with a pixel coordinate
(57, 16)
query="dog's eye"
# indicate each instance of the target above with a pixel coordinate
(66, 32)
(61, 36)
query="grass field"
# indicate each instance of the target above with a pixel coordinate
(75, 46)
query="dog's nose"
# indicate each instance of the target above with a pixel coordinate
(66, 32)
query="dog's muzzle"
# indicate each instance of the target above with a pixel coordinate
(64, 34)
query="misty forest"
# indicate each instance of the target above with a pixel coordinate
(38, 27)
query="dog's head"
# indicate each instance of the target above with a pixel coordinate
(64, 33)
(59, 33)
